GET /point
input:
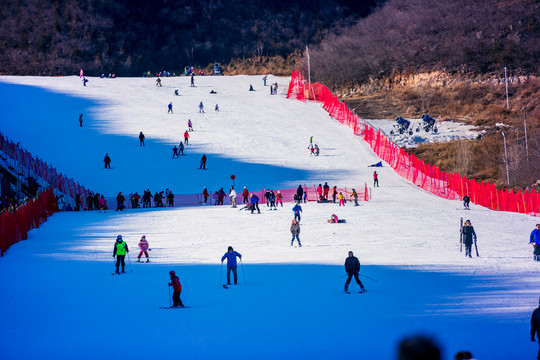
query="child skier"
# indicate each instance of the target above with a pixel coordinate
(177, 289)
(143, 247)
(120, 250)
(295, 231)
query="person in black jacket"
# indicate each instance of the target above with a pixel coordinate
(352, 268)
(466, 202)
(468, 235)
(535, 326)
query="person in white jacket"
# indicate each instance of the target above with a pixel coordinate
(232, 196)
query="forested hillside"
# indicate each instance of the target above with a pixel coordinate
(129, 37)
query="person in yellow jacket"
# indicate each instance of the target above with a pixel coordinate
(341, 198)
(120, 251)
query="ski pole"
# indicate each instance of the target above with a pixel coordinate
(369, 277)
(221, 274)
(241, 263)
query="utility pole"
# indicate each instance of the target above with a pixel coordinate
(506, 159)
(506, 83)
(308, 71)
(526, 143)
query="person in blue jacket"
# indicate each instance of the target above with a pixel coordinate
(535, 241)
(254, 203)
(297, 209)
(231, 255)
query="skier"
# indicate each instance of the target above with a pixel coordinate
(295, 231)
(341, 199)
(141, 139)
(190, 125)
(245, 195)
(205, 195)
(272, 199)
(170, 108)
(535, 326)
(326, 189)
(254, 200)
(192, 80)
(177, 289)
(352, 268)
(535, 241)
(81, 74)
(317, 151)
(120, 201)
(297, 209)
(232, 196)
(186, 137)
(375, 179)
(176, 92)
(466, 201)
(468, 235)
(181, 148)
(203, 162)
(231, 255)
(158, 82)
(355, 196)
(102, 203)
(264, 79)
(107, 161)
(80, 120)
(216, 108)
(170, 197)
(84, 81)
(311, 150)
(300, 192)
(334, 194)
(310, 142)
(279, 198)
(201, 107)
(143, 247)
(120, 250)
(221, 196)
(175, 152)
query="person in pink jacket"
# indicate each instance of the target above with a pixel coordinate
(143, 246)
(102, 203)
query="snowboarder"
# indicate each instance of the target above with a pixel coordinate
(84, 81)
(205, 195)
(295, 231)
(80, 120)
(355, 196)
(120, 250)
(375, 179)
(251, 88)
(190, 125)
(143, 247)
(535, 241)
(232, 196)
(158, 82)
(186, 137)
(466, 201)
(120, 201)
(245, 195)
(176, 92)
(352, 268)
(141, 139)
(107, 161)
(203, 162)
(175, 152)
(468, 236)
(254, 200)
(216, 108)
(177, 289)
(535, 326)
(201, 107)
(297, 209)
(231, 255)
(181, 148)
(169, 107)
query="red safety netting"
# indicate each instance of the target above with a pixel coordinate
(428, 177)
(14, 225)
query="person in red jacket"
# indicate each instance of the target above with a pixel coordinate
(177, 289)
(245, 195)
(375, 179)
(319, 192)
(205, 195)
(186, 137)
(326, 189)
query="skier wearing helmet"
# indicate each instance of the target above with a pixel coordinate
(143, 247)
(120, 250)
(177, 287)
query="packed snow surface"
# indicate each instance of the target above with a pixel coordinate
(61, 301)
